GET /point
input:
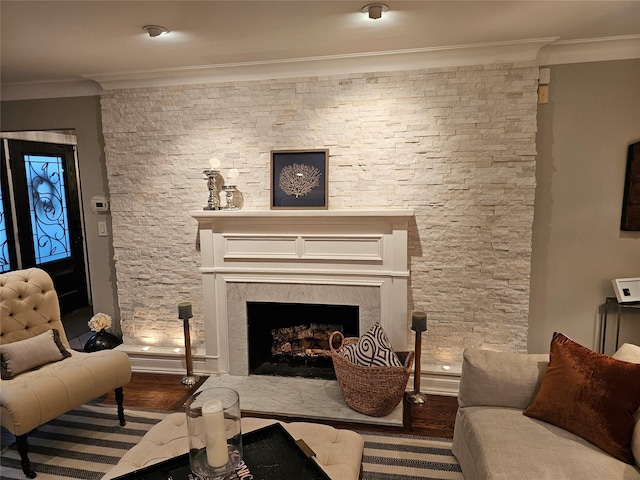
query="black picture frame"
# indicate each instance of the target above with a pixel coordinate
(631, 201)
(311, 167)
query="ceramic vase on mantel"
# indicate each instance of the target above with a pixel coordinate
(101, 340)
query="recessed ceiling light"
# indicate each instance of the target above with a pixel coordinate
(155, 30)
(375, 10)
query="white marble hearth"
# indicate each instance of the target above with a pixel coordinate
(297, 397)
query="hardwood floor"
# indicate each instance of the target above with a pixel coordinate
(153, 391)
(435, 418)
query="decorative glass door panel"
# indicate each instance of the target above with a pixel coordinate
(5, 261)
(8, 259)
(48, 207)
(44, 220)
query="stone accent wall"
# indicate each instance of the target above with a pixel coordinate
(455, 144)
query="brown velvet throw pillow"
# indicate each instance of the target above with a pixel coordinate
(592, 395)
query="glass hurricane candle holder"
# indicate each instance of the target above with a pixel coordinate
(230, 191)
(215, 437)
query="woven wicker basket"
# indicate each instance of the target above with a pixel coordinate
(373, 391)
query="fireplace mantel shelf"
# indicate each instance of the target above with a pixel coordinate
(244, 214)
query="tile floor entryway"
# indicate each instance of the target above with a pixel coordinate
(76, 327)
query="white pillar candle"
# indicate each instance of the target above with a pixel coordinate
(214, 163)
(215, 438)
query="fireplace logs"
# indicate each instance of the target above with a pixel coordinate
(303, 340)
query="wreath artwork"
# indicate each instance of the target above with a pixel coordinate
(299, 179)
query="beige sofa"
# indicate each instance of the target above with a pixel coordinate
(29, 313)
(494, 440)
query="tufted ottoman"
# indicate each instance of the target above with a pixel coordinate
(338, 452)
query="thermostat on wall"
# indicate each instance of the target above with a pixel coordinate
(627, 289)
(99, 204)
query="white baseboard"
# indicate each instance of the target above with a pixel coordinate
(163, 360)
(436, 381)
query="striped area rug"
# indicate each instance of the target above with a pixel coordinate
(85, 443)
(408, 457)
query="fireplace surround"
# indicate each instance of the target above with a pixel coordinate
(346, 257)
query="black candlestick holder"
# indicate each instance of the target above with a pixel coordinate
(418, 325)
(184, 313)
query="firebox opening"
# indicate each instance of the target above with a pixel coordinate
(292, 339)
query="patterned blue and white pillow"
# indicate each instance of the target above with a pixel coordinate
(372, 350)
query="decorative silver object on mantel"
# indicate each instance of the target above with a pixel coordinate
(230, 195)
(213, 177)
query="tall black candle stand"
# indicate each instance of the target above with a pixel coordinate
(418, 325)
(184, 313)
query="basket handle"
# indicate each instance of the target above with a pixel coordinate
(331, 341)
(408, 363)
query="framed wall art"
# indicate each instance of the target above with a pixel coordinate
(631, 202)
(299, 179)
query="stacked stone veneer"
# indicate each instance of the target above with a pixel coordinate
(455, 144)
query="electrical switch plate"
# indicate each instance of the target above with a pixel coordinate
(102, 229)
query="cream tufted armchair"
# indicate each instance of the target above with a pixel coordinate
(28, 311)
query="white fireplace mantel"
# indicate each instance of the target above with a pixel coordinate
(348, 248)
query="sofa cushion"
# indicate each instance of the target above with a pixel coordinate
(372, 350)
(500, 378)
(631, 353)
(25, 355)
(628, 353)
(590, 394)
(502, 444)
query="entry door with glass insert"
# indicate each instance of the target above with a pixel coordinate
(42, 222)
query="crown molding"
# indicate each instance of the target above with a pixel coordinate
(590, 50)
(541, 51)
(58, 89)
(387, 61)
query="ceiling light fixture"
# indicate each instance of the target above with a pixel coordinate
(155, 30)
(375, 10)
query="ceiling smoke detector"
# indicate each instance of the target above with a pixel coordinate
(375, 10)
(155, 30)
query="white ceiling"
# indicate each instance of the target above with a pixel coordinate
(98, 44)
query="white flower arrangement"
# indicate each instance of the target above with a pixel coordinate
(99, 321)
